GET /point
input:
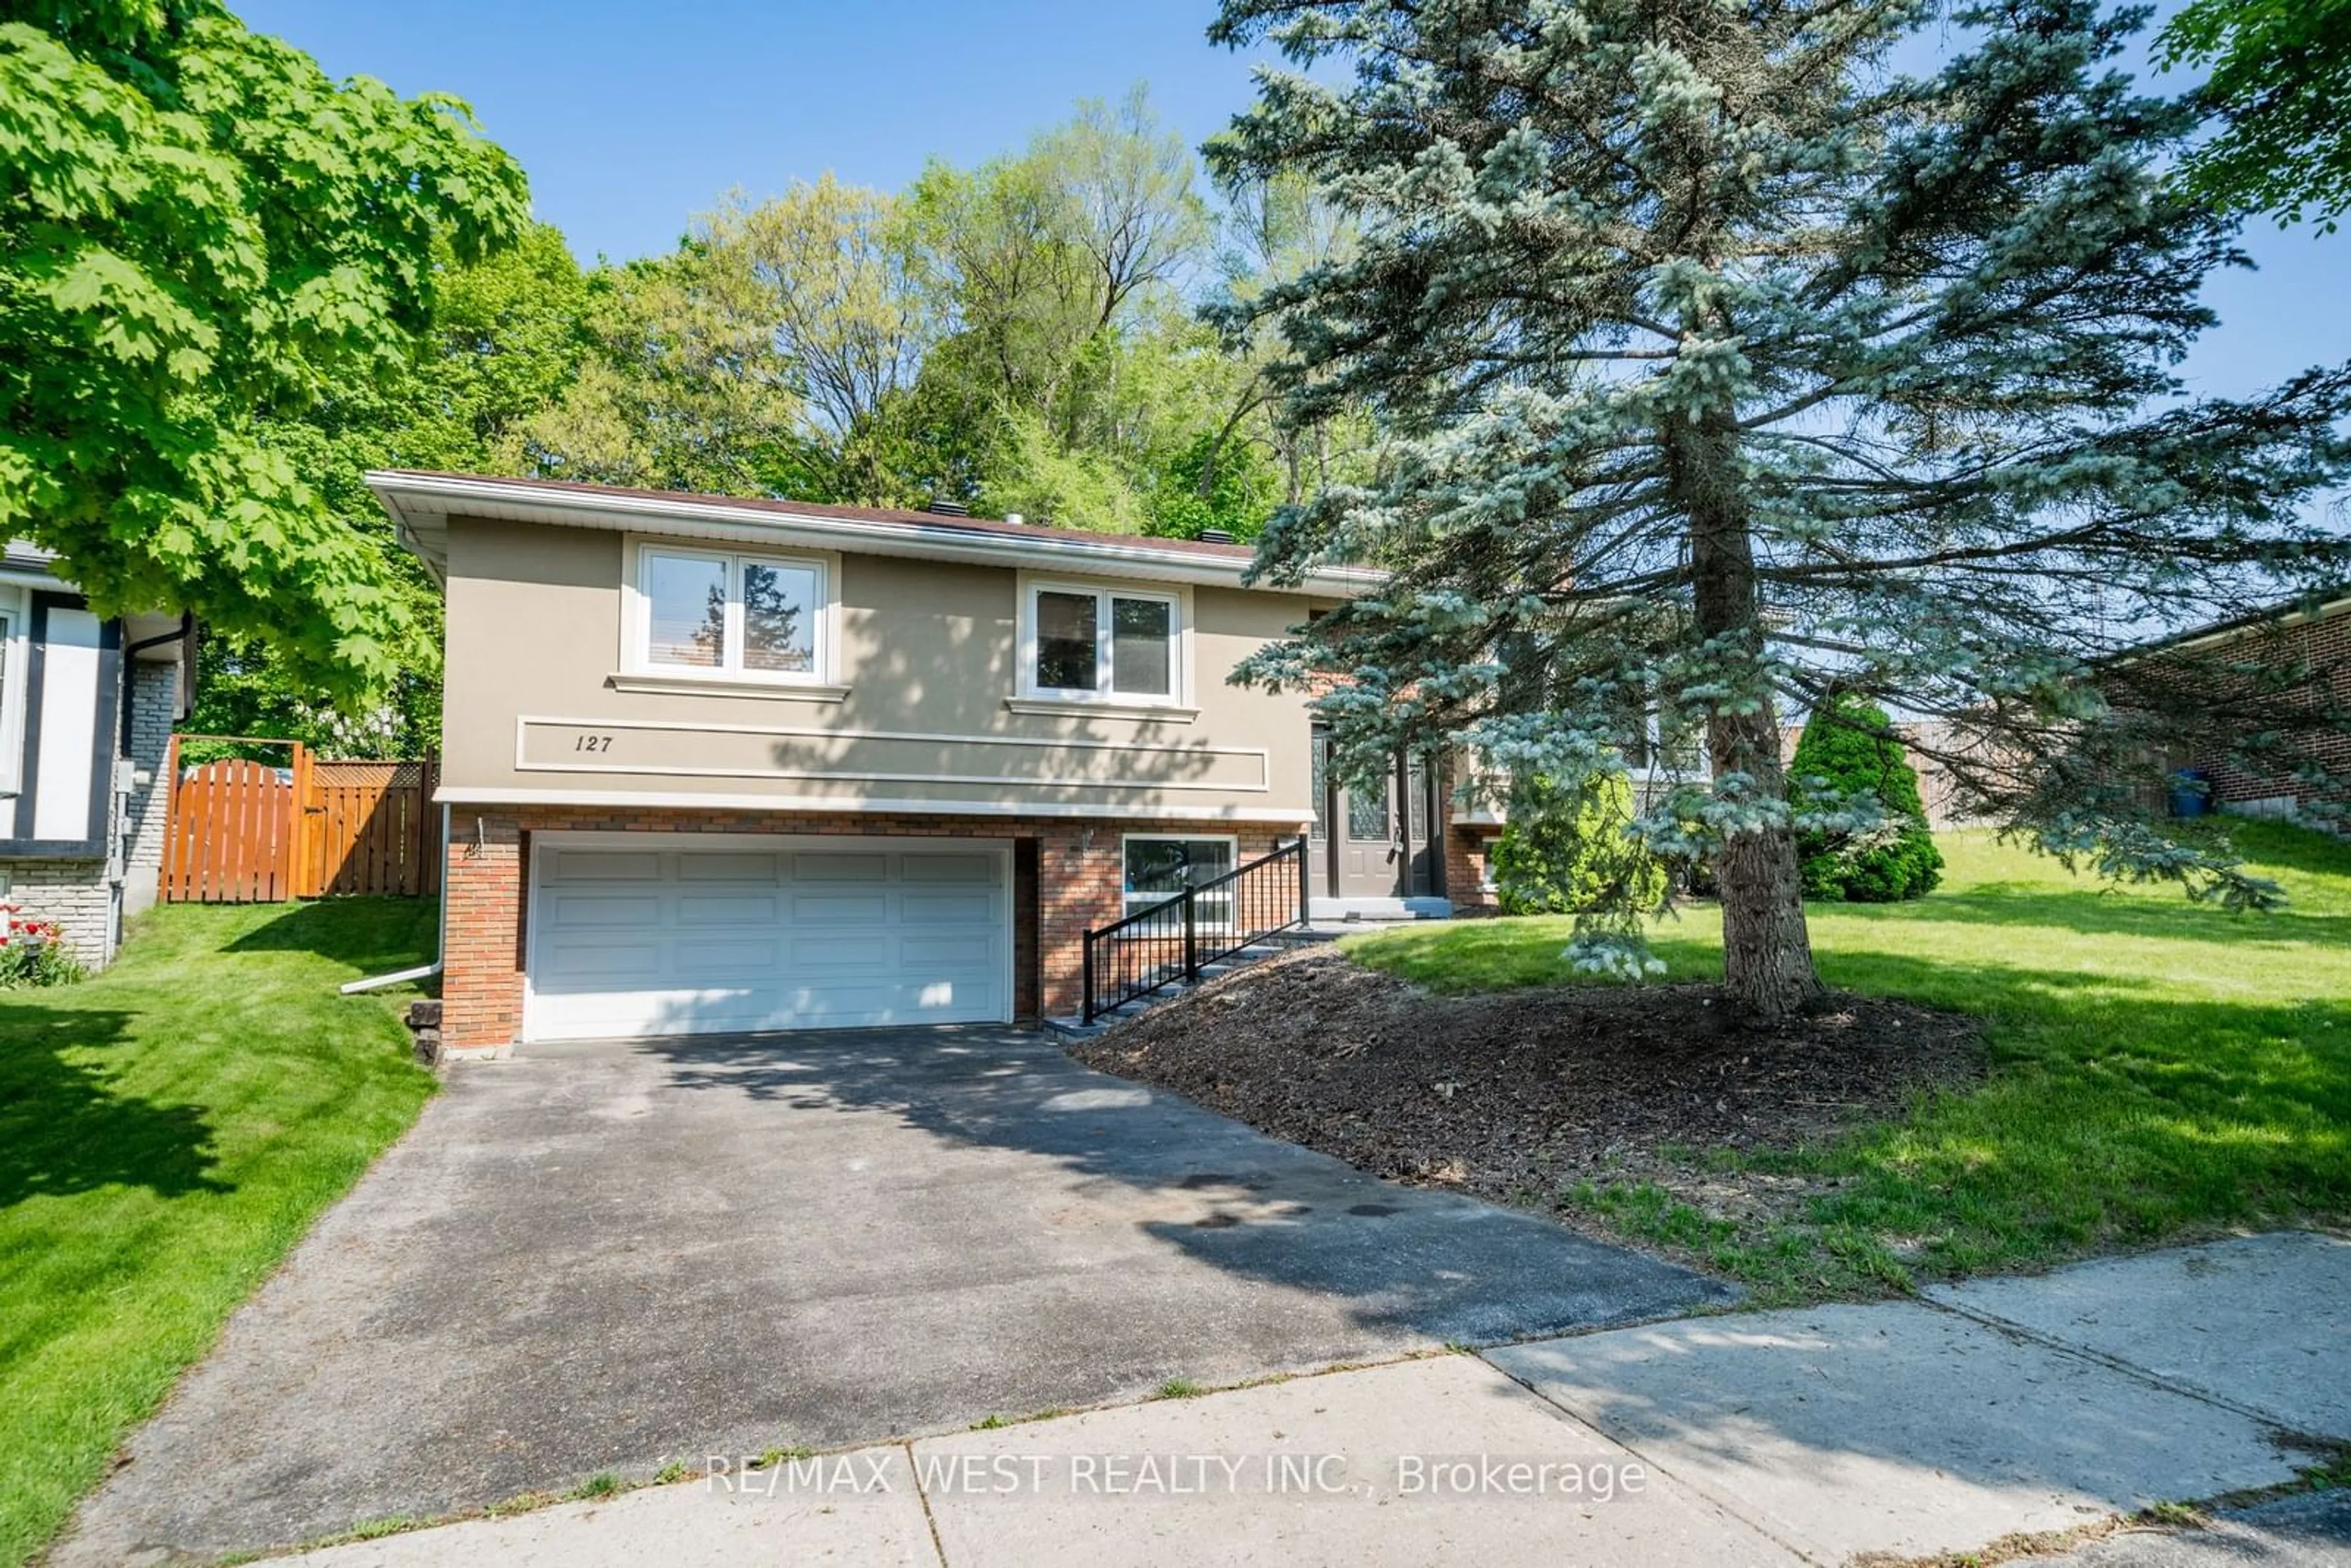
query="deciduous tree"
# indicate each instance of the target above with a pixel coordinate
(2281, 74)
(830, 271)
(507, 338)
(684, 386)
(200, 231)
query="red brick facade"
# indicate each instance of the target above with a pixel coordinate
(2321, 644)
(1468, 846)
(1066, 880)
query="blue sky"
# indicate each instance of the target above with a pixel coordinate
(631, 117)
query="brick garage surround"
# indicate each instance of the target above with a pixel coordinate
(1075, 886)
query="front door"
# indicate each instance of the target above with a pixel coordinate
(1372, 842)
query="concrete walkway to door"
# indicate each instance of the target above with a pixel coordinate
(610, 1256)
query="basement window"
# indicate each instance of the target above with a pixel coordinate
(1159, 868)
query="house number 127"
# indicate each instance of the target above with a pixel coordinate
(592, 743)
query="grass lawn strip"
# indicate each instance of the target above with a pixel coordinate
(168, 1131)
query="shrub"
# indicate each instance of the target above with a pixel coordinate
(1566, 851)
(1847, 750)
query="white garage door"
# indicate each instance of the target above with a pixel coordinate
(676, 936)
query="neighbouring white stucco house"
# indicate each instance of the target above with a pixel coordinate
(87, 706)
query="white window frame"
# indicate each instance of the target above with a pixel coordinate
(15, 675)
(636, 658)
(1127, 898)
(1179, 646)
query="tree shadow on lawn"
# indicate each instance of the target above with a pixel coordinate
(2268, 845)
(65, 1129)
(371, 935)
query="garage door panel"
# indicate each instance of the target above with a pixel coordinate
(929, 906)
(840, 906)
(695, 940)
(977, 954)
(748, 956)
(579, 909)
(704, 865)
(949, 995)
(672, 1010)
(860, 1001)
(855, 954)
(586, 963)
(700, 909)
(835, 867)
(604, 865)
(951, 868)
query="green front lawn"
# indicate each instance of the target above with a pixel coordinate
(2161, 1069)
(168, 1131)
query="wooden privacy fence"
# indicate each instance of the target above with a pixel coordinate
(243, 832)
(230, 836)
(369, 827)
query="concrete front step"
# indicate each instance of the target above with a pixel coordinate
(1327, 910)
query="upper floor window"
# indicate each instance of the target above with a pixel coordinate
(1104, 642)
(1653, 746)
(748, 616)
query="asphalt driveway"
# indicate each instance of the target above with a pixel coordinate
(612, 1255)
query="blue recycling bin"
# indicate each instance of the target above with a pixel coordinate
(2191, 792)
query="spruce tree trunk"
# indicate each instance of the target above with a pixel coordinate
(1767, 951)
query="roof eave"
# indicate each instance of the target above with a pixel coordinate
(2220, 633)
(418, 502)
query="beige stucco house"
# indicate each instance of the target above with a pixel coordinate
(719, 765)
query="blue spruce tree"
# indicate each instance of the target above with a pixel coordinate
(1723, 363)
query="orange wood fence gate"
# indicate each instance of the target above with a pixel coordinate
(243, 832)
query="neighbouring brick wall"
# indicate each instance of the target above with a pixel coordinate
(1076, 884)
(75, 893)
(154, 702)
(2324, 646)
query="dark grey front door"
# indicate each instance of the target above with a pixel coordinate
(1371, 852)
(1424, 866)
(1366, 843)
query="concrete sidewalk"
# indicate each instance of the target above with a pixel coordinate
(1815, 1435)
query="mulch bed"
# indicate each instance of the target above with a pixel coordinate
(1515, 1094)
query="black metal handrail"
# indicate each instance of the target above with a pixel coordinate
(1170, 942)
